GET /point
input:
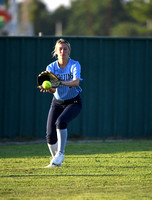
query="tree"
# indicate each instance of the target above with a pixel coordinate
(141, 14)
(140, 10)
(43, 20)
(61, 15)
(34, 12)
(38, 15)
(95, 17)
(129, 29)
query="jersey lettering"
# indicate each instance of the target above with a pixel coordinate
(65, 77)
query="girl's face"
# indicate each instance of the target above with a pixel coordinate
(62, 50)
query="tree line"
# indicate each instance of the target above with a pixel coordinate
(93, 18)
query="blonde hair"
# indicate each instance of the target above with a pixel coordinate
(61, 41)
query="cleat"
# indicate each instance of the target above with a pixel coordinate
(53, 165)
(58, 159)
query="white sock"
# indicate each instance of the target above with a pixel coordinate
(62, 138)
(53, 148)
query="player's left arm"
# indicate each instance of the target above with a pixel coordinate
(74, 83)
(76, 71)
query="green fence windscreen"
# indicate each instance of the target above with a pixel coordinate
(117, 86)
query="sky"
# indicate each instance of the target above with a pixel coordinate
(53, 4)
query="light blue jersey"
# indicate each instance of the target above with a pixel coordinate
(70, 72)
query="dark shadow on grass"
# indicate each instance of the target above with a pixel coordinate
(52, 175)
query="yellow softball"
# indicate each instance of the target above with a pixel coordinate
(46, 85)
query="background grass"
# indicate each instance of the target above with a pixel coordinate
(96, 170)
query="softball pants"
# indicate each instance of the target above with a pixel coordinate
(60, 114)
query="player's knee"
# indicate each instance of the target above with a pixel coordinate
(51, 139)
(60, 124)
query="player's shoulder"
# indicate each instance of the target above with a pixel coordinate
(74, 62)
(51, 66)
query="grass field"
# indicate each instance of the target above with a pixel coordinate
(95, 170)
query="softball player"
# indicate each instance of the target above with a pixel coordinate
(66, 103)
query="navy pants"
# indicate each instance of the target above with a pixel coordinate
(60, 114)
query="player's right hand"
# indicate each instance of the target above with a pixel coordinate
(50, 90)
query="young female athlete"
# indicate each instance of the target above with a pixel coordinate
(66, 103)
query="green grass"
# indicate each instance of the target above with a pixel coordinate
(111, 171)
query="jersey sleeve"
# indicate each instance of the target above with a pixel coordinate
(50, 68)
(76, 70)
